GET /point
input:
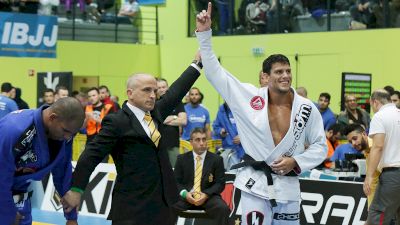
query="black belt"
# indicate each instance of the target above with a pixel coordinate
(22, 196)
(386, 169)
(261, 166)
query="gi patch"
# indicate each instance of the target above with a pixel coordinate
(257, 103)
(210, 178)
(250, 183)
(255, 218)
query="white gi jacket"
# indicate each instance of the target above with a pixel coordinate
(249, 105)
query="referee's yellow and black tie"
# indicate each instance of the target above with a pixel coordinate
(197, 178)
(154, 133)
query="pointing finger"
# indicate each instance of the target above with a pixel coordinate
(209, 9)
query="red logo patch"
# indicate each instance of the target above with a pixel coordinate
(257, 103)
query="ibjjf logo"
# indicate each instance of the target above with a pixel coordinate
(250, 183)
(257, 103)
(255, 218)
(287, 216)
(301, 119)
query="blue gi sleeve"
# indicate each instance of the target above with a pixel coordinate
(8, 210)
(62, 176)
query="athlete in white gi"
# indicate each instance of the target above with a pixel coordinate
(275, 125)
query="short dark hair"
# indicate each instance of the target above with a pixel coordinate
(60, 87)
(162, 79)
(48, 90)
(396, 93)
(389, 89)
(6, 87)
(93, 89)
(272, 59)
(200, 93)
(353, 127)
(335, 128)
(326, 95)
(104, 87)
(201, 130)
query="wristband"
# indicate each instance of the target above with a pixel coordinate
(75, 189)
(183, 194)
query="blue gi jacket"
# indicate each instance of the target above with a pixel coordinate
(225, 120)
(25, 156)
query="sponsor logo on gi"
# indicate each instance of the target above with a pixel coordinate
(255, 218)
(300, 121)
(287, 216)
(257, 103)
(250, 183)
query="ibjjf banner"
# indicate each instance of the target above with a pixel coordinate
(151, 2)
(28, 35)
(52, 80)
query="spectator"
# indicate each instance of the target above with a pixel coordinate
(302, 91)
(395, 98)
(226, 17)
(7, 105)
(359, 139)
(128, 12)
(323, 106)
(200, 178)
(175, 119)
(197, 115)
(47, 7)
(105, 98)
(389, 89)
(353, 114)
(82, 7)
(48, 96)
(263, 79)
(224, 128)
(61, 92)
(95, 112)
(361, 12)
(333, 134)
(20, 102)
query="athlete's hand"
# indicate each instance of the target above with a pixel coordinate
(72, 222)
(236, 140)
(283, 165)
(71, 200)
(203, 19)
(18, 218)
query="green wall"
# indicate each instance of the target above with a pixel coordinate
(322, 57)
(113, 63)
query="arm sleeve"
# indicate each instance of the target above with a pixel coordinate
(95, 151)
(62, 176)
(177, 91)
(178, 172)
(7, 207)
(219, 185)
(315, 154)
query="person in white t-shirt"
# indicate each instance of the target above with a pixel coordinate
(385, 156)
(128, 12)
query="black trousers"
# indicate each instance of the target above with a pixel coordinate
(215, 208)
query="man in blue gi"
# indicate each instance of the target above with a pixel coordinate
(34, 143)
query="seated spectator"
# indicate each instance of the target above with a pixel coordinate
(82, 7)
(5, 6)
(200, 178)
(362, 12)
(128, 11)
(352, 113)
(328, 116)
(333, 134)
(48, 7)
